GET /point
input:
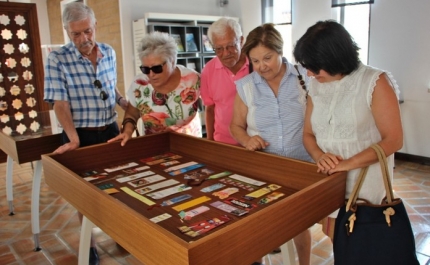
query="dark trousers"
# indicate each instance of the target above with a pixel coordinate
(91, 137)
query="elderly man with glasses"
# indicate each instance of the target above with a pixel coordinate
(218, 76)
(80, 79)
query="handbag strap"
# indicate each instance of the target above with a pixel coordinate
(385, 175)
(354, 194)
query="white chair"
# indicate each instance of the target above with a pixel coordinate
(287, 254)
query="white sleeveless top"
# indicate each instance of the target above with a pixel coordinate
(343, 124)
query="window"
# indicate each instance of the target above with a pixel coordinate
(356, 19)
(279, 13)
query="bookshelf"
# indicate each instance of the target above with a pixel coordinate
(195, 52)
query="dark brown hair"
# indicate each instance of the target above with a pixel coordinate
(265, 35)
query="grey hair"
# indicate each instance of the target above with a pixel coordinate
(218, 28)
(158, 44)
(77, 11)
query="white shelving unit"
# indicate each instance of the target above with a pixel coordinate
(179, 25)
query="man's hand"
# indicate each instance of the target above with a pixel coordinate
(66, 147)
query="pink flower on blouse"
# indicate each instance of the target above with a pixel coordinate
(141, 82)
(190, 79)
(188, 95)
(155, 121)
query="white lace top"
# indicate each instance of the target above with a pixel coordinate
(343, 124)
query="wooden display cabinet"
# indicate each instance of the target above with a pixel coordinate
(240, 241)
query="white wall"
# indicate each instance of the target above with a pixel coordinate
(399, 43)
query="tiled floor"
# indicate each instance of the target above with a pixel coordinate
(60, 226)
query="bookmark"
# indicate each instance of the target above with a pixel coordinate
(176, 200)
(137, 196)
(167, 192)
(261, 192)
(156, 186)
(190, 204)
(247, 180)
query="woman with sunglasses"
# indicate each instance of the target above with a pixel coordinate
(165, 96)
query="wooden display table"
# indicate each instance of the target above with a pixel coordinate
(26, 147)
(311, 197)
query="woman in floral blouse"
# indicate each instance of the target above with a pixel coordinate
(165, 96)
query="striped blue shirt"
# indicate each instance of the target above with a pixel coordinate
(70, 77)
(278, 120)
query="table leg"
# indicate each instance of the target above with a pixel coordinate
(35, 198)
(9, 184)
(85, 241)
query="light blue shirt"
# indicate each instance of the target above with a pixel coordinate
(70, 77)
(278, 120)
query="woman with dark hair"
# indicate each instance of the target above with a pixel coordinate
(268, 113)
(350, 107)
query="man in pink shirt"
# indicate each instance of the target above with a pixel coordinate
(217, 86)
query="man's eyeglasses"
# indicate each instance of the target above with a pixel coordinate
(156, 69)
(103, 94)
(232, 48)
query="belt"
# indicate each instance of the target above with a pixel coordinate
(100, 129)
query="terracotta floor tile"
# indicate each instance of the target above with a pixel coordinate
(7, 258)
(60, 226)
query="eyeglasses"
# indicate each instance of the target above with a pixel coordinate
(103, 94)
(232, 48)
(156, 69)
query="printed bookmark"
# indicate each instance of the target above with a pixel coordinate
(135, 176)
(261, 192)
(228, 208)
(156, 186)
(191, 203)
(167, 192)
(137, 196)
(200, 228)
(176, 199)
(247, 180)
(185, 169)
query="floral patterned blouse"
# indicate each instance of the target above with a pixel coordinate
(176, 110)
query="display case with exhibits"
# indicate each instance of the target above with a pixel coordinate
(26, 136)
(175, 199)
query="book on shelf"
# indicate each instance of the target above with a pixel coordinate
(207, 46)
(179, 46)
(191, 44)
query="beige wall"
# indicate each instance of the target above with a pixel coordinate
(108, 28)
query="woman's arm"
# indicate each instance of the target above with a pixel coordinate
(238, 127)
(131, 116)
(324, 161)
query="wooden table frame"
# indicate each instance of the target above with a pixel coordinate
(240, 242)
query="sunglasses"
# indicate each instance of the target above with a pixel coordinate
(156, 69)
(103, 94)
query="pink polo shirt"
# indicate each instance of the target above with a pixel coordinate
(218, 87)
